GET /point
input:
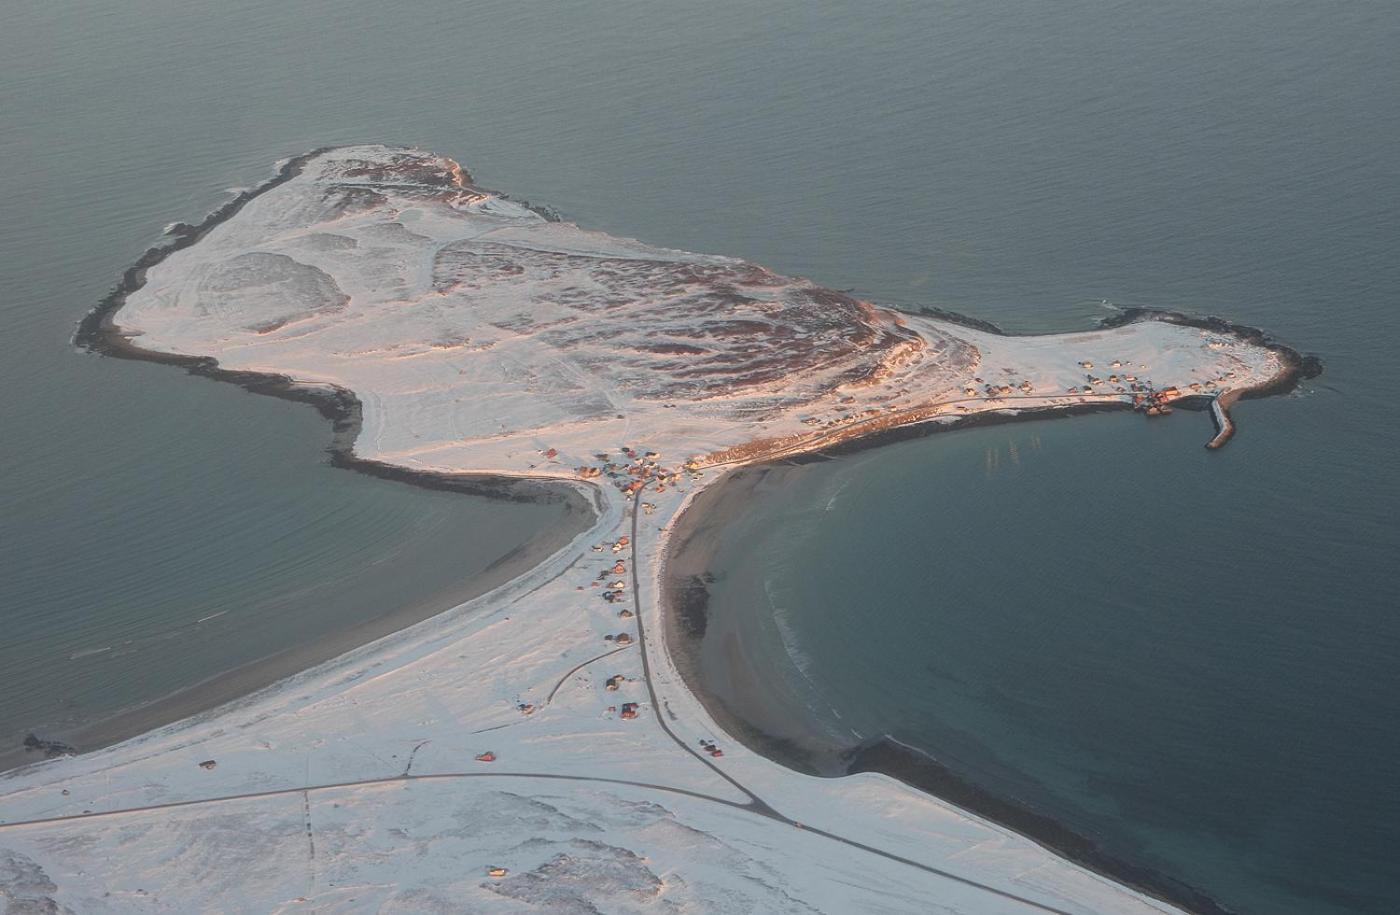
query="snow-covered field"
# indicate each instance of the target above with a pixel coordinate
(482, 338)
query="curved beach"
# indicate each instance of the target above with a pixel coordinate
(98, 333)
(726, 661)
(487, 346)
(735, 661)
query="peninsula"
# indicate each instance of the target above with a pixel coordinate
(538, 744)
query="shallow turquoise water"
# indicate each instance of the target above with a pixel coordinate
(1021, 162)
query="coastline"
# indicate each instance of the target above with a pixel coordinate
(1301, 366)
(777, 727)
(1298, 366)
(683, 572)
(99, 333)
(241, 682)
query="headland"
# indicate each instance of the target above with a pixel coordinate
(458, 339)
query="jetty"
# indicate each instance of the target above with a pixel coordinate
(1224, 426)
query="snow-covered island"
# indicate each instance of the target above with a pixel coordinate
(535, 749)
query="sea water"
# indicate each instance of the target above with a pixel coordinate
(1023, 162)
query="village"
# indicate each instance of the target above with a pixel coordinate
(636, 470)
(1145, 398)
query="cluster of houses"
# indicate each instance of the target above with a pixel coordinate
(614, 591)
(849, 415)
(1155, 403)
(639, 470)
(1123, 383)
(997, 390)
(617, 547)
(632, 474)
(1147, 399)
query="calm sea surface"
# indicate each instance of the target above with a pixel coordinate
(1191, 656)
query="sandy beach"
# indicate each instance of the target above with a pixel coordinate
(235, 684)
(535, 727)
(726, 659)
(722, 655)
